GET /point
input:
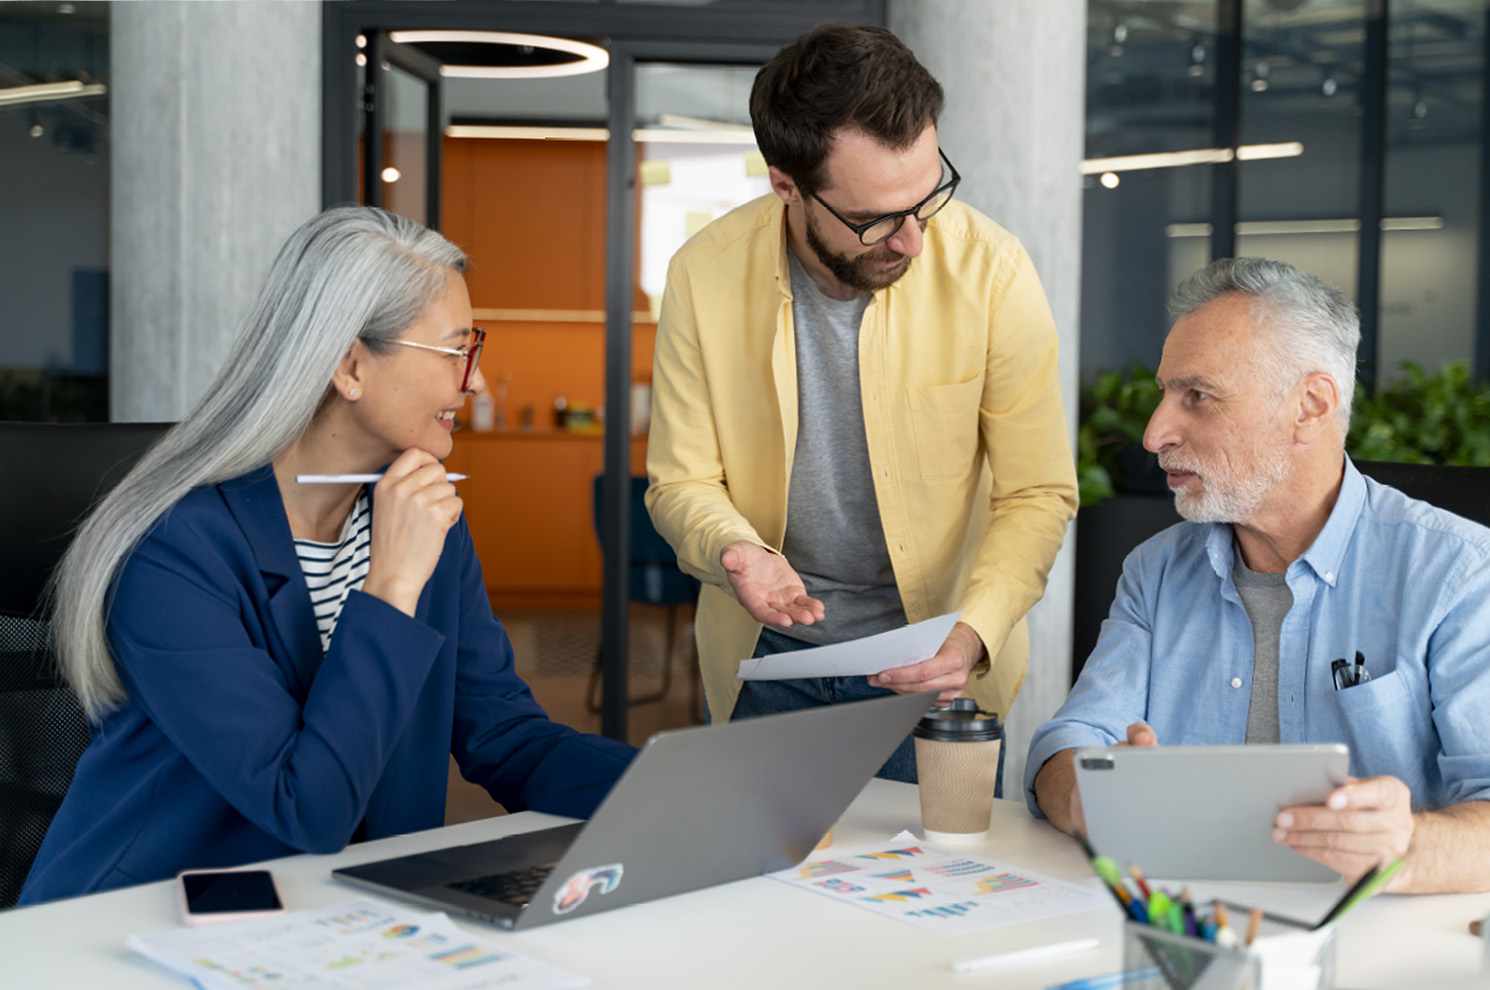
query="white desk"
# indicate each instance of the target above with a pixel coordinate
(761, 933)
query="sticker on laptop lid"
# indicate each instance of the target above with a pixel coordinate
(578, 887)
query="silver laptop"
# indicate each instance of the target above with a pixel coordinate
(698, 807)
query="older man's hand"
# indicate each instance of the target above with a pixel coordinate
(1362, 824)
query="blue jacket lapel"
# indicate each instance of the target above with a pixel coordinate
(256, 505)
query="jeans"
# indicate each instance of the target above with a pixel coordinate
(773, 697)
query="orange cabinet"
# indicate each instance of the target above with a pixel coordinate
(531, 217)
(528, 503)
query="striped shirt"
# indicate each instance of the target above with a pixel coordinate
(332, 570)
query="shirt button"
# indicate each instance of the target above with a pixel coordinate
(1236, 682)
(1329, 575)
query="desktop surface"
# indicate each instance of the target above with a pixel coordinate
(761, 932)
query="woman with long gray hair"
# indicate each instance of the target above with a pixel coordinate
(271, 666)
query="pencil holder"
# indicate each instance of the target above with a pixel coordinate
(1285, 953)
(1154, 959)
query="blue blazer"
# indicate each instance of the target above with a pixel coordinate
(241, 741)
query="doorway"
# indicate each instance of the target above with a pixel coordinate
(569, 192)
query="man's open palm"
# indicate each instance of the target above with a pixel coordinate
(767, 586)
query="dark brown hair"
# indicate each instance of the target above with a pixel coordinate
(838, 76)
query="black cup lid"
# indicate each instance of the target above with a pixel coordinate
(963, 721)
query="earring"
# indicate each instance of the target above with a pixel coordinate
(351, 393)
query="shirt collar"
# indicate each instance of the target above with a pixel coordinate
(1326, 554)
(783, 264)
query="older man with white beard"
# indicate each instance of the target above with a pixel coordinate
(1227, 627)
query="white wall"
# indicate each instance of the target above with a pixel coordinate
(1015, 77)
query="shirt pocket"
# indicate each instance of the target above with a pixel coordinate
(1383, 727)
(945, 421)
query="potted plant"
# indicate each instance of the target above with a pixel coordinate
(1423, 419)
(1110, 455)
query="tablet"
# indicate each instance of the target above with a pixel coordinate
(1205, 812)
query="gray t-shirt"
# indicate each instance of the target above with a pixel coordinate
(1267, 600)
(834, 538)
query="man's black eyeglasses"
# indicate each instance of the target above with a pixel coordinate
(881, 229)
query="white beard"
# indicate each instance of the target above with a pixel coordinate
(1227, 496)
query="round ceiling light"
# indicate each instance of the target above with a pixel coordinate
(505, 54)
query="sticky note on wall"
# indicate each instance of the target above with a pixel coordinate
(755, 164)
(656, 173)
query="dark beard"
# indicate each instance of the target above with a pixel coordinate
(856, 272)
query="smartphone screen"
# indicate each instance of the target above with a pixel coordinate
(230, 892)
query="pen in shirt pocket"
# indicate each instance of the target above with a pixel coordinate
(1345, 676)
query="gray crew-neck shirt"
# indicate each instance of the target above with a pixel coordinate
(1267, 599)
(834, 538)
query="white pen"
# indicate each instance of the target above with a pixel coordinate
(355, 479)
(1020, 956)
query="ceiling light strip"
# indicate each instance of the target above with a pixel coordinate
(1196, 156)
(657, 135)
(1263, 228)
(47, 92)
(519, 133)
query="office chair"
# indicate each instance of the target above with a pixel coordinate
(655, 579)
(53, 473)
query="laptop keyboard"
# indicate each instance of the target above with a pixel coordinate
(515, 887)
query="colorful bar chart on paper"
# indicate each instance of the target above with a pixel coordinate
(940, 891)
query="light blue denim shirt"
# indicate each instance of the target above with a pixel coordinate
(1406, 584)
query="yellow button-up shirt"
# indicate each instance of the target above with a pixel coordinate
(967, 438)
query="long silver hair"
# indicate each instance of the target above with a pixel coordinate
(1313, 327)
(350, 273)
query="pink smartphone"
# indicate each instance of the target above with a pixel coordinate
(212, 896)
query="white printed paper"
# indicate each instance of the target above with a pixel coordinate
(857, 657)
(359, 944)
(944, 892)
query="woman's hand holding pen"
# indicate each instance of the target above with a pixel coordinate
(1362, 824)
(414, 506)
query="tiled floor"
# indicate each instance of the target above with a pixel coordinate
(555, 653)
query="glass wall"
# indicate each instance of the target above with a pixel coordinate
(54, 211)
(1303, 158)
(1436, 88)
(404, 176)
(696, 158)
(1151, 83)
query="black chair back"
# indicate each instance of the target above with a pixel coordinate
(50, 476)
(1464, 491)
(655, 577)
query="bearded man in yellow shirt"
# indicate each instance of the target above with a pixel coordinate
(856, 416)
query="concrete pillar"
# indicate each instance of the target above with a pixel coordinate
(216, 158)
(1015, 77)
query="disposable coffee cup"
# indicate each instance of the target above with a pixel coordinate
(957, 759)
